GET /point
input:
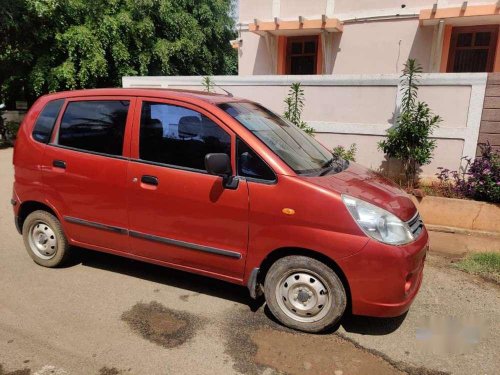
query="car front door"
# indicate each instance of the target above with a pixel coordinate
(84, 170)
(178, 213)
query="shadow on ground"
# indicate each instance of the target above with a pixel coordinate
(163, 275)
(217, 288)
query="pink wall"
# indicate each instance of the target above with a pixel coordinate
(381, 47)
(345, 109)
(355, 50)
(378, 35)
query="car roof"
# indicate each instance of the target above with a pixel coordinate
(179, 94)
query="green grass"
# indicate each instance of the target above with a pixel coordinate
(486, 265)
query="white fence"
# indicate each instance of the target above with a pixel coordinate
(347, 109)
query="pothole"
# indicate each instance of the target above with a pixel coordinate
(112, 371)
(161, 325)
(297, 353)
(258, 344)
(24, 371)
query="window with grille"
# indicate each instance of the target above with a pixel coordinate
(472, 49)
(302, 55)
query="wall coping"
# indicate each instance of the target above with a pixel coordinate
(427, 79)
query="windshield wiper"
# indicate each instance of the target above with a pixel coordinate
(327, 167)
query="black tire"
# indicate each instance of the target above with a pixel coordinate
(291, 267)
(57, 250)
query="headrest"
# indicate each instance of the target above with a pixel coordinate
(153, 123)
(152, 128)
(189, 127)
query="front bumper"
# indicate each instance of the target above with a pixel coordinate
(383, 279)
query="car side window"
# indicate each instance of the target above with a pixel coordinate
(95, 126)
(46, 120)
(179, 136)
(251, 165)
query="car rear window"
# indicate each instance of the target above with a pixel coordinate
(96, 126)
(45, 122)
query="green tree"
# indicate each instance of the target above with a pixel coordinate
(294, 106)
(408, 141)
(51, 45)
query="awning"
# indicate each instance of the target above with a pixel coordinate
(294, 28)
(462, 16)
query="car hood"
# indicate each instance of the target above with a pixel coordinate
(363, 183)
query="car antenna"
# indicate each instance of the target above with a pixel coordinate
(223, 89)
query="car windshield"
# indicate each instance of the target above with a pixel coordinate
(298, 150)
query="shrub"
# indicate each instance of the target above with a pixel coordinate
(478, 179)
(11, 129)
(345, 153)
(481, 177)
(3, 128)
(408, 141)
(294, 106)
(444, 187)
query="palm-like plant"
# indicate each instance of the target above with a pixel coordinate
(294, 106)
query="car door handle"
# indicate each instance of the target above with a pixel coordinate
(150, 180)
(59, 164)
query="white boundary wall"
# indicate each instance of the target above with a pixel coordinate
(346, 109)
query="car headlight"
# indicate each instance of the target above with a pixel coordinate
(378, 223)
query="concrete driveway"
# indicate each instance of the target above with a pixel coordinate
(107, 315)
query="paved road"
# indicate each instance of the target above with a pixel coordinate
(107, 315)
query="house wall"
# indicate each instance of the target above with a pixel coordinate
(354, 52)
(345, 109)
(378, 35)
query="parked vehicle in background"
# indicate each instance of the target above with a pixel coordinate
(221, 187)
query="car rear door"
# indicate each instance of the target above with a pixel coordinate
(85, 170)
(178, 213)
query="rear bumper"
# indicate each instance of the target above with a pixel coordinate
(15, 202)
(18, 227)
(384, 280)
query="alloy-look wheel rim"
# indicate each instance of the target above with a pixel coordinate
(42, 240)
(303, 296)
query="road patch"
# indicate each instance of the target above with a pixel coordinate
(161, 325)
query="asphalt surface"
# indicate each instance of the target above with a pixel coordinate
(108, 315)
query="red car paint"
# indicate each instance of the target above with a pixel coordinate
(192, 207)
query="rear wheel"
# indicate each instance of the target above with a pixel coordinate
(44, 239)
(304, 293)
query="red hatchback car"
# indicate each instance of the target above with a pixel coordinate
(218, 186)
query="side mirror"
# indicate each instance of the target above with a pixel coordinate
(220, 165)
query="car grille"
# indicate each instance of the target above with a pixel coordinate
(416, 225)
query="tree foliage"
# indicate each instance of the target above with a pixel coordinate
(50, 45)
(408, 141)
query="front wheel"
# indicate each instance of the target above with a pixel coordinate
(304, 293)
